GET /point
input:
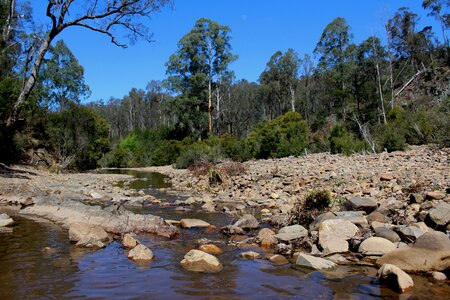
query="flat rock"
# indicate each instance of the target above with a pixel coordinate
(278, 260)
(355, 217)
(359, 203)
(289, 233)
(376, 217)
(412, 259)
(408, 234)
(395, 277)
(313, 262)
(314, 226)
(247, 221)
(435, 195)
(376, 246)
(434, 240)
(140, 253)
(440, 215)
(5, 220)
(199, 261)
(333, 235)
(193, 223)
(250, 255)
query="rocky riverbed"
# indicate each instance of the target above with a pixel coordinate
(389, 210)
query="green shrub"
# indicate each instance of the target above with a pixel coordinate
(233, 148)
(191, 157)
(317, 199)
(391, 139)
(343, 142)
(306, 210)
(166, 153)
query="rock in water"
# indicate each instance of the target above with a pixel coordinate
(211, 249)
(129, 241)
(88, 235)
(313, 262)
(278, 260)
(250, 255)
(247, 221)
(199, 261)
(266, 238)
(5, 220)
(140, 253)
(193, 223)
(395, 277)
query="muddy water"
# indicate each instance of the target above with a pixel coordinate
(27, 272)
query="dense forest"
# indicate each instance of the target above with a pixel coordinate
(382, 94)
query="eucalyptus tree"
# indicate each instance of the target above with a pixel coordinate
(439, 9)
(113, 18)
(281, 78)
(200, 63)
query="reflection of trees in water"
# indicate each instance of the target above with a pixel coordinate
(29, 272)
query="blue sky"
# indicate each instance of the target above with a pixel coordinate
(259, 29)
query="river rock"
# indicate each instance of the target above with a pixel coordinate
(193, 223)
(416, 198)
(211, 249)
(140, 253)
(88, 235)
(434, 240)
(395, 277)
(5, 220)
(289, 233)
(278, 260)
(333, 235)
(435, 195)
(250, 255)
(408, 234)
(313, 262)
(209, 207)
(360, 203)
(440, 215)
(247, 221)
(376, 246)
(232, 230)
(266, 238)
(199, 261)
(314, 226)
(387, 233)
(356, 217)
(129, 241)
(376, 217)
(438, 276)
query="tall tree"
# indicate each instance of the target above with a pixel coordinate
(110, 17)
(202, 59)
(439, 9)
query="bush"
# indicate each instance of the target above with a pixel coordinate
(166, 153)
(343, 142)
(194, 155)
(391, 138)
(306, 210)
(233, 148)
(284, 136)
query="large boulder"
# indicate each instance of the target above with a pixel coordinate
(313, 262)
(5, 220)
(88, 235)
(194, 223)
(199, 261)
(247, 221)
(376, 246)
(360, 203)
(140, 253)
(333, 235)
(293, 232)
(395, 277)
(434, 240)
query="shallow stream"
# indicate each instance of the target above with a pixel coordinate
(65, 271)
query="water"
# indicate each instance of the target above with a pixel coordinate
(27, 272)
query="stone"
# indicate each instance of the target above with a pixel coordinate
(415, 260)
(289, 233)
(434, 240)
(440, 215)
(386, 177)
(438, 276)
(193, 223)
(211, 249)
(5, 220)
(435, 195)
(395, 277)
(387, 233)
(232, 230)
(96, 195)
(250, 255)
(416, 198)
(360, 203)
(274, 196)
(202, 262)
(376, 246)
(408, 234)
(333, 235)
(314, 226)
(356, 217)
(313, 262)
(88, 235)
(377, 217)
(129, 241)
(278, 260)
(140, 253)
(247, 221)
(209, 207)
(266, 238)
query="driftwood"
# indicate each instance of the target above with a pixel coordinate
(6, 171)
